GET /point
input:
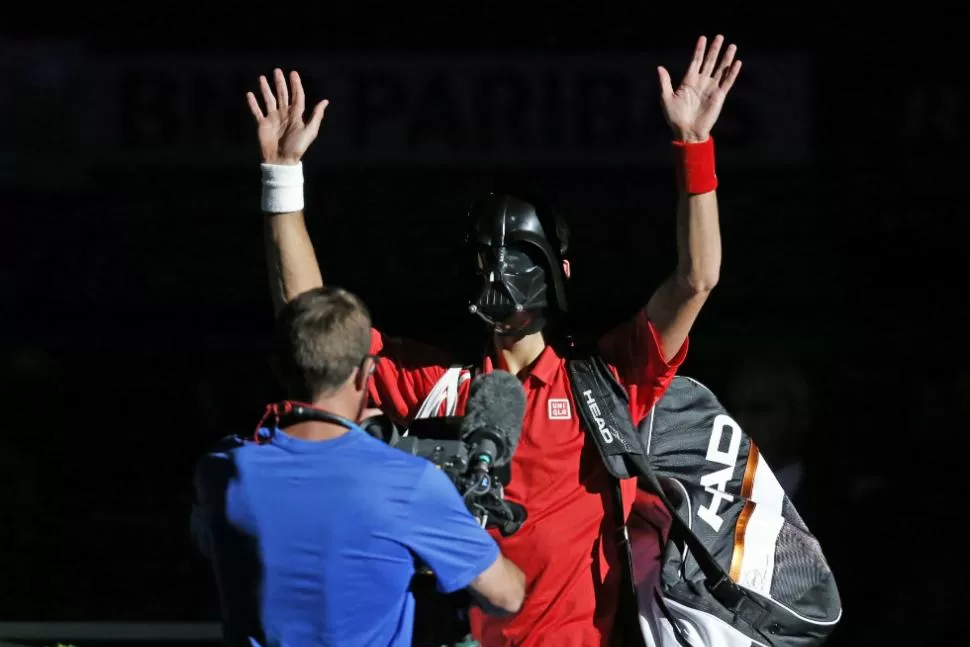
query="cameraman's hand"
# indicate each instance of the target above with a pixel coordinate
(283, 136)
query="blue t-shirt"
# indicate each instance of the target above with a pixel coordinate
(313, 542)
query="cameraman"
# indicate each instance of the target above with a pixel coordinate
(313, 527)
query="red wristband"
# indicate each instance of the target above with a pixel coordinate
(694, 164)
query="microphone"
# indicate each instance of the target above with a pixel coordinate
(493, 419)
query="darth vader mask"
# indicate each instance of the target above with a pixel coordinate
(520, 270)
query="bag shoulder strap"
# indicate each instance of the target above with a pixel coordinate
(601, 401)
(583, 360)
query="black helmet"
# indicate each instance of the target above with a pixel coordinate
(520, 248)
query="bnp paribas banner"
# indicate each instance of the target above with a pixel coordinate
(527, 110)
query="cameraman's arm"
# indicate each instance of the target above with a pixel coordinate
(500, 590)
(213, 472)
(441, 532)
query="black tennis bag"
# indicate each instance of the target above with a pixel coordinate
(740, 567)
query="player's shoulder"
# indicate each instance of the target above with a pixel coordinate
(410, 355)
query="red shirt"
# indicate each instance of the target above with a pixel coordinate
(565, 548)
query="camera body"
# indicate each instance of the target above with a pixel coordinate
(438, 440)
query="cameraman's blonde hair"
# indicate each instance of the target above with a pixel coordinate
(323, 335)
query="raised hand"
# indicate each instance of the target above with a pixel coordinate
(283, 135)
(692, 109)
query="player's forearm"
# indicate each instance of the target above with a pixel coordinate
(290, 259)
(675, 305)
(698, 242)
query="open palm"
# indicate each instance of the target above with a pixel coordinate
(693, 108)
(283, 135)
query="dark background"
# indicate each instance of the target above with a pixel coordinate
(136, 308)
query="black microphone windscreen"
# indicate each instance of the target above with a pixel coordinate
(496, 402)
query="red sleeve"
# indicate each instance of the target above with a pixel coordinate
(633, 351)
(406, 372)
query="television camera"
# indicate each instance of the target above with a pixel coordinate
(473, 450)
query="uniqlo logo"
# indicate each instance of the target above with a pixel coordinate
(559, 409)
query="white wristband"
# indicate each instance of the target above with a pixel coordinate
(282, 187)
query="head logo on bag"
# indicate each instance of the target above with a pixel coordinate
(602, 428)
(716, 483)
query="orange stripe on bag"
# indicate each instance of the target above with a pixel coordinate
(747, 485)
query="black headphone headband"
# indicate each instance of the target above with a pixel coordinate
(288, 412)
